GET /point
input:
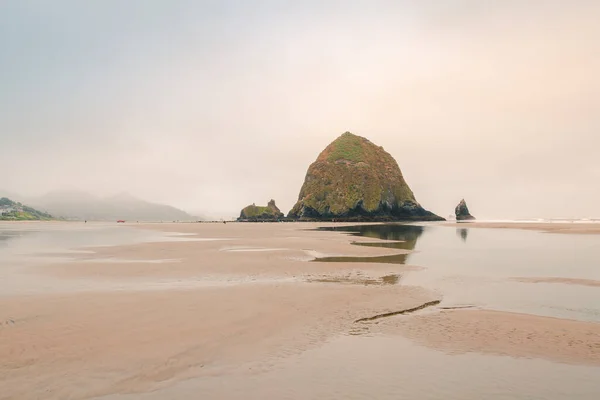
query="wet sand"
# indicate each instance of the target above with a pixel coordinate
(105, 341)
(86, 345)
(502, 333)
(240, 249)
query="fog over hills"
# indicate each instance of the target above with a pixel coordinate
(80, 205)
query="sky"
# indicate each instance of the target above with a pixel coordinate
(213, 105)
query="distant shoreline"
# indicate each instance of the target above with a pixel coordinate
(548, 227)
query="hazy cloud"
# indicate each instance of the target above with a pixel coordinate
(211, 106)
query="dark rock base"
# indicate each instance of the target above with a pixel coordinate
(358, 214)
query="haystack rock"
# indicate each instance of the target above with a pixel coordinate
(355, 180)
(462, 212)
(261, 213)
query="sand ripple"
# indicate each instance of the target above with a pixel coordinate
(569, 281)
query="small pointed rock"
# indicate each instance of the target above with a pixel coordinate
(462, 211)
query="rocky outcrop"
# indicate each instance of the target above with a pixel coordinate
(15, 211)
(355, 180)
(462, 212)
(260, 213)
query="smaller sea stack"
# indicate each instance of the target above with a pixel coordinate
(254, 213)
(462, 212)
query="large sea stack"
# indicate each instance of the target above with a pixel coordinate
(355, 180)
(462, 212)
(254, 213)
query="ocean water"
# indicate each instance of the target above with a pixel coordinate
(480, 267)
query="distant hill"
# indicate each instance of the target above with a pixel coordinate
(14, 211)
(77, 205)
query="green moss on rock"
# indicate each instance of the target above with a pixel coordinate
(349, 148)
(354, 179)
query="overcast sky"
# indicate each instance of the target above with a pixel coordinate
(212, 105)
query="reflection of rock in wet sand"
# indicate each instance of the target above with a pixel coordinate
(402, 237)
(394, 259)
(463, 233)
(409, 234)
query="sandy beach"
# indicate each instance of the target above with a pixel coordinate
(265, 300)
